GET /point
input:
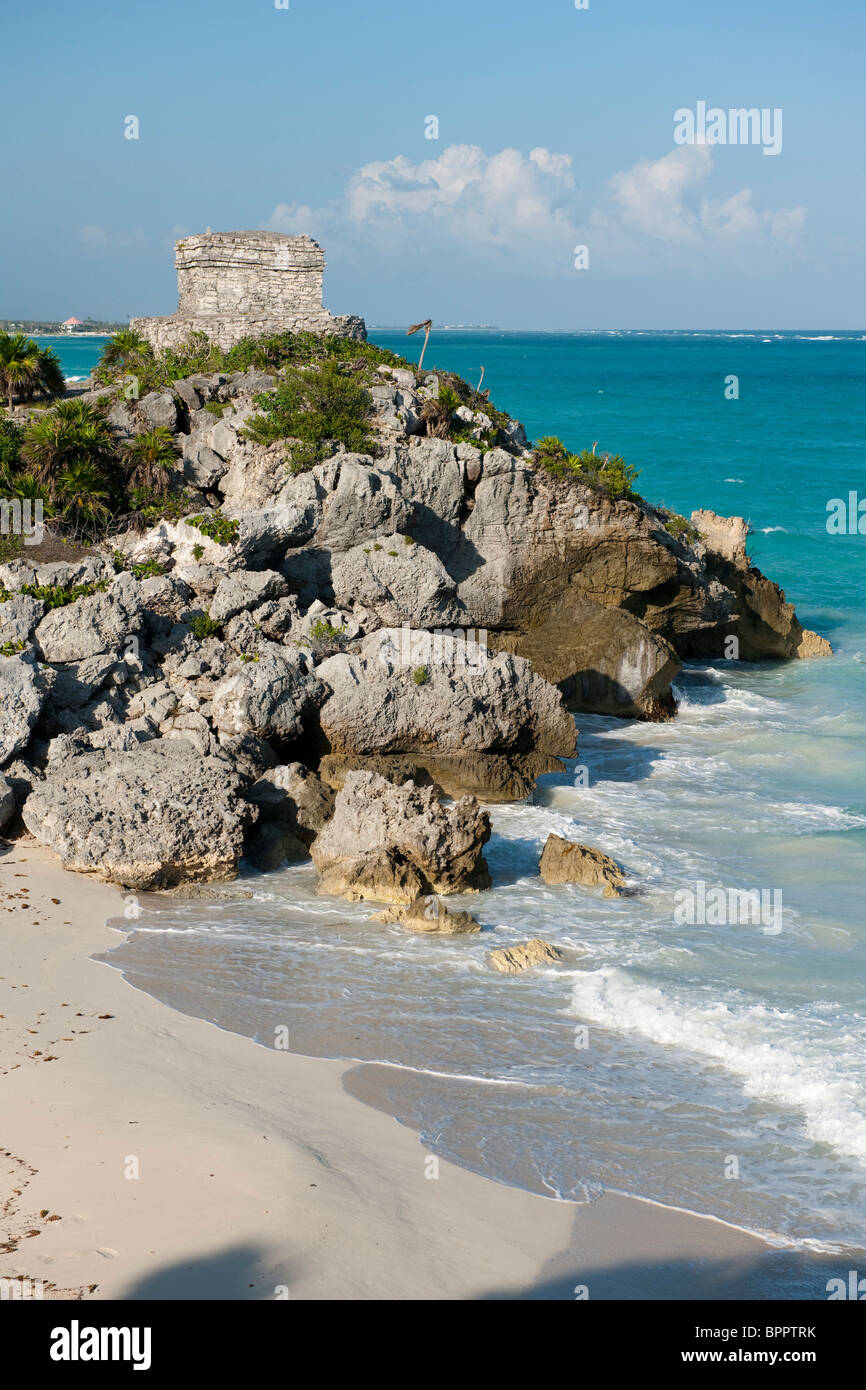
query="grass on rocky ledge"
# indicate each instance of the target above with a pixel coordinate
(607, 472)
(314, 408)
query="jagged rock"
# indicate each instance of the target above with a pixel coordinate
(23, 692)
(379, 704)
(64, 574)
(152, 816)
(490, 777)
(429, 917)
(99, 623)
(293, 805)
(764, 624)
(270, 695)
(394, 844)
(398, 580)
(18, 618)
(201, 465)
(117, 738)
(74, 685)
(563, 861)
(167, 598)
(246, 589)
(158, 409)
(21, 778)
(7, 802)
(602, 659)
(512, 960)
(530, 537)
(188, 393)
(357, 501)
(184, 544)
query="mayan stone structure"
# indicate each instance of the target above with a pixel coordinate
(234, 285)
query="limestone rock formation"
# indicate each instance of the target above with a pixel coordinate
(293, 804)
(487, 776)
(395, 844)
(563, 861)
(98, 623)
(429, 917)
(513, 960)
(269, 694)
(23, 692)
(382, 703)
(152, 816)
(234, 285)
(7, 802)
(603, 659)
(764, 624)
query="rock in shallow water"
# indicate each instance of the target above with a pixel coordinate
(512, 960)
(429, 917)
(396, 844)
(563, 861)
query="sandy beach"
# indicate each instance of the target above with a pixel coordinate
(258, 1177)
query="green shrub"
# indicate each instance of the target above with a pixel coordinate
(204, 626)
(323, 631)
(11, 547)
(679, 527)
(420, 675)
(216, 527)
(607, 472)
(316, 409)
(55, 595)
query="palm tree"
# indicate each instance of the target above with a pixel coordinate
(27, 370)
(83, 496)
(150, 455)
(72, 432)
(416, 328)
(124, 349)
(51, 379)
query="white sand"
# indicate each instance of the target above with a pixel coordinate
(256, 1169)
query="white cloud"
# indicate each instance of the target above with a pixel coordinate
(657, 199)
(503, 200)
(526, 210)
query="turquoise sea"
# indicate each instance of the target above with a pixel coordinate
(706, 1044)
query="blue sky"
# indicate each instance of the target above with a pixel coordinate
(555, 130)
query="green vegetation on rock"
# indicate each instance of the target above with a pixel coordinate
(607, 472)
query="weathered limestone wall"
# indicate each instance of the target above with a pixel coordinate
(233, 285)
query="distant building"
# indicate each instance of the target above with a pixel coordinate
(233, 285)
(71, 325)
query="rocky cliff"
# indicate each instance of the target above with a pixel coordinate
(431, 607)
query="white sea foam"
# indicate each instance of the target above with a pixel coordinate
(780, 1057)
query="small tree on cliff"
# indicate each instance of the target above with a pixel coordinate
(416, 328)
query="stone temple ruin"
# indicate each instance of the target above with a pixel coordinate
(234, 285)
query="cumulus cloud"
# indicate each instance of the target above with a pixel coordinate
(526, 208)
(658, 199)
(506, 199)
